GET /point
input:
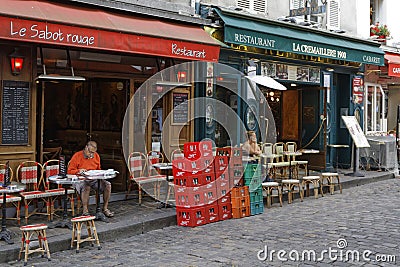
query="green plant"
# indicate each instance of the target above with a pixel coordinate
(380, 30)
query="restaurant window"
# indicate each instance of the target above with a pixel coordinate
(375, 109)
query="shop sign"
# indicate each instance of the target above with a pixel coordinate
(394, 70)
(295, 42)
(358, 90)
(59, 34)
(291, 72)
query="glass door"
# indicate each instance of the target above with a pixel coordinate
(375, 106)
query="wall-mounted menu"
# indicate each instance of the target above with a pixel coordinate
(15, 113)
(180, 107)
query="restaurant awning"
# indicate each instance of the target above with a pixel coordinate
(60, 24)
(393, 64)
(275, 35)
(267, 82)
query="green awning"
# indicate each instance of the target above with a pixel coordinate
(268, 35)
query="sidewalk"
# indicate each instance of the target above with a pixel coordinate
(132, 219)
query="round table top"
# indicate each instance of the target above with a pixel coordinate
(292, 153)
(162, 166)
(70, 179)
(338, 146)
(309, 151)
(100, 174)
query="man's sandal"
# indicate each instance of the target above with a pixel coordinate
(108, 213)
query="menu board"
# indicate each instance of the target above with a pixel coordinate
(355, 131)
(180, 108)
(15, 113)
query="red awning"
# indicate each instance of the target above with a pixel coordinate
(46, 22)
(394, 64)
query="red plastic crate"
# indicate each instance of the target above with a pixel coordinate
(221, 163)
(191, 217)
(224, 211)
(190, 180)
(212, 213)
(223, 195)
(222, 179)
(210, 194)
(240, 202)
(235, 176)
(188, 197)
(208, 177)
(197, 150)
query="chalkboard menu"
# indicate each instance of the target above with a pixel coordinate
(180, 106)
(15, 113)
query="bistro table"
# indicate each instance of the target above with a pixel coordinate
(291, 154)
(6, 234)
(65, 181)
(99, 175)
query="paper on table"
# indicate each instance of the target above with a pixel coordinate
(101, 172)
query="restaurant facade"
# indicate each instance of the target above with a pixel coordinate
(318, 68)
(68, 73)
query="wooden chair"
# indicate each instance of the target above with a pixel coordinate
(56, 192)
(28, 231)
(330, 178)
(269, 188)
(30, 174)
(137, 169)
(292, 147)
(315, 181)
(15, 200)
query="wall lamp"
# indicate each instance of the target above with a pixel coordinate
(330, 69)
(17, 61)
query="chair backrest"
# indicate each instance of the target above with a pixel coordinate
(291, 147)
(153, 157)
(30, 173)
(137, 164)
(279, 147)
(267, 149)
(50, 168)
(3, 172)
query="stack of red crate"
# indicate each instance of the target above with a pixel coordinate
(234, 155)
(240, 199)
(195, 185)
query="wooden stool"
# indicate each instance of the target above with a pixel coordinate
(27, 232)
(77, 224)
(315, 181)
(289, 185)
(329, 177)
(269, 187)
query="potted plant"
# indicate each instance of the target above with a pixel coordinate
(381, 31)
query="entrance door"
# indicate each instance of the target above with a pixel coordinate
(75, 112)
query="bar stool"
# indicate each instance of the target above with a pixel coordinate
(77, 224)
(329, 177)
(289, 185)
(27, 232)
(315, 181)
(269, 187)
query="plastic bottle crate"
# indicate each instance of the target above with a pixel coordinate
(241, 191)
(222, 180)
(252, 170)
(212, 213)
(189, 196)
(191, 217)
(221, 163)
(224, 210)
(256, 208)
(253, 183)
(256, 196)
(240, 212)
(240, 202)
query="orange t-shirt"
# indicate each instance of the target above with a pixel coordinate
(78, 161)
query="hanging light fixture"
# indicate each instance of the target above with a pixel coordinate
(17, 62)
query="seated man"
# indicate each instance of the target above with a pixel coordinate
(85, 160)
(251, 146)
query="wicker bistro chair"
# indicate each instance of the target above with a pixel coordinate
(30, 174)
(155, 157)
(269, 188)
(316, 181)
(57, 192)
(138, 175)
(303, 164)
(328, 180)
(14, 200)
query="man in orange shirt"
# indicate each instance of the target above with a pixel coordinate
(89, 159)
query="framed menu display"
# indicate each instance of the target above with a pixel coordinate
(15, 113)
(180, 107)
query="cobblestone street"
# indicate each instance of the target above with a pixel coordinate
(364, 220)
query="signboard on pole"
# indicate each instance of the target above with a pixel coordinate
(355, 131)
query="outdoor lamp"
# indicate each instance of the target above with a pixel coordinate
(182, 75)
(17, 62)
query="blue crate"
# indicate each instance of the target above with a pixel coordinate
(256, 208)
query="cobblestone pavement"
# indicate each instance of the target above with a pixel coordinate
(365, 217)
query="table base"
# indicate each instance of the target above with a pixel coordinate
(7, 235)
(101, 217)
(61, 224)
